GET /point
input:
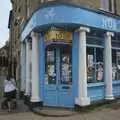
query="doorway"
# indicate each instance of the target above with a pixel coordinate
(58, 85)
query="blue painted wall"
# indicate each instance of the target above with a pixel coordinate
(116, 88)
(65, 14)
(75, 63)
(41, 66)
(96, 92)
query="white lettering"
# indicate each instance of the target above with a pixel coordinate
(108, 23)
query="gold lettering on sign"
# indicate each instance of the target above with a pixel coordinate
(57, 35)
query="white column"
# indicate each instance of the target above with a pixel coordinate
(82, 99)
(108, 66)
(35, 93)
(27, 90)
(23, 67)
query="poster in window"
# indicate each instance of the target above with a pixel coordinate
(90, 66)
(66, 70)
(118, 65)
(118, 59)
(50, 56)
(114, 71)
(99, 71)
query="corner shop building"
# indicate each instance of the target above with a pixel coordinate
(70, 55)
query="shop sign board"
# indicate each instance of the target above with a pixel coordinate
(58, 36)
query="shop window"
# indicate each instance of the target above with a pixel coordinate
(90, 64)
(94, 64)
(116, 64)
(99, 64)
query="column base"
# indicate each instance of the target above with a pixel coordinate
(82, 101)
(27, 94)
(33, 99)
(109, 97)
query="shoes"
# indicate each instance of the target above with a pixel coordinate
(9, 110)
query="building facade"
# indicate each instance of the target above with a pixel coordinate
(69, 51)
(4, 60)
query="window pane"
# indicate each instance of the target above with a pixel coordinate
(66, 67)
(118, 65)
(115, 64)
(90, 64)
(94, 40)
(50, 71)
(99, 64)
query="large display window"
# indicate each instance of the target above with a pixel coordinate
(115, 64)
(94, 64)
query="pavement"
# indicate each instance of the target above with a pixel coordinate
(105, 112)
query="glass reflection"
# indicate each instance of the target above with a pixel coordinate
(66, 68)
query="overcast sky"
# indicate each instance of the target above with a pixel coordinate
(5, 7)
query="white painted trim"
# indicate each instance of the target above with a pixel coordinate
(35, 92)
(108, 66)
(82, 99)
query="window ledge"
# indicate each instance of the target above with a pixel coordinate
(116, 81)
(102, 83)
(96, 84)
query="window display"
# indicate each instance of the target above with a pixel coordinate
(99, 64)
(115, 64)
(118, 65)
(66, 67)
(99, 71)
(90, 64)
(50, 76)
(94, 64)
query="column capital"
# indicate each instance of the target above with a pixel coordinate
(85, 29)
(28, 40)
(109, 34)
(34, 34)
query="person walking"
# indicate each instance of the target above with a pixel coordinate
(9, 91)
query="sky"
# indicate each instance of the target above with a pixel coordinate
(5, 7)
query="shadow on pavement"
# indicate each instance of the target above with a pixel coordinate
(21, 108)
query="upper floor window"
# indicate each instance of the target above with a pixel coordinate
(112, 6)
(28, 7)
(41, 1)
(108, 5)
(104, 5)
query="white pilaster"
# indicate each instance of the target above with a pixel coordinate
(27, 90)
(82, 99)
(23, 68)
(35, 93)
(108, 66)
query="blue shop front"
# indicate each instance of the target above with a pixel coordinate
(70, 56)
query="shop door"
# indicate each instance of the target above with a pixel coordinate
(58, 76)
